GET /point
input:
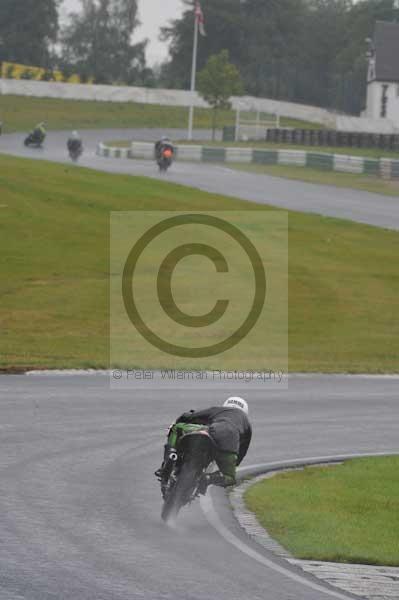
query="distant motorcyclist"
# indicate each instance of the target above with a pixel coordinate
(164, 142)
(75, 145)
(39, 132)
(37, 136)
(231, 431)
(164, 153)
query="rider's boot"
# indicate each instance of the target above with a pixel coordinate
(216, 478)
(159, 472)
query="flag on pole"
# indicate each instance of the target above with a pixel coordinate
(199, 17)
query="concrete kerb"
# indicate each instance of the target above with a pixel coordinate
(367, 581)
(384, 167)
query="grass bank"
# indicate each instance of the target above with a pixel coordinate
(20, 113)
(345, 513)
(54, 266)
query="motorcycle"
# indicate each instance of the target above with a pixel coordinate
(165, 159)
(35, 139)
(185, 464)
(75, 150)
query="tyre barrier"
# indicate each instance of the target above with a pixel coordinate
(329, 137)
(385, 168)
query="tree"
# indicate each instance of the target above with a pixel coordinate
(224, 31)
(273, 49)
(263, 38)
(27, 30)
(97, 42)
(217, 82)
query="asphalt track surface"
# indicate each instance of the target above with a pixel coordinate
(364, 207)
(79, 507)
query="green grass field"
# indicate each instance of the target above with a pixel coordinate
(345, 513)
(20, 113)
(54, 264)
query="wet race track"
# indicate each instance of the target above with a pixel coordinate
(80, 508)
(355, 205)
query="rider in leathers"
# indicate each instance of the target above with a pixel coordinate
(231, 431)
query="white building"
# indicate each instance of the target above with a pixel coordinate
(383, 74)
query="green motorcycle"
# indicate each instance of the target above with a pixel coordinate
(190, 450)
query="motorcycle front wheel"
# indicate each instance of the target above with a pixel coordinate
(181, 492)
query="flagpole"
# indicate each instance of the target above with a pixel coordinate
(193, 78)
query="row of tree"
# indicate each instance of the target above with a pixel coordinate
(96, 42)
(310, 51)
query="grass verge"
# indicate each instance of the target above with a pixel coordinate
(54, 265)
(20, 113)
(345, 513)
(366, 183)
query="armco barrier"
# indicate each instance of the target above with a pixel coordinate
(265, 157)
(142, 150)
(297, 158)
(108, 152)
(395, 169)
(213, 154)
(384, 167)
(349, 164)
(320, 161)
(239, 155)
(192, 153)
(372, 167)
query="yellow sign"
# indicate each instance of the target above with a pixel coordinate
(16, 71)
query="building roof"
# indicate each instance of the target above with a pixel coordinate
(386, 42)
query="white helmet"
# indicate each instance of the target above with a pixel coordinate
(236, 402)
(75, 135)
